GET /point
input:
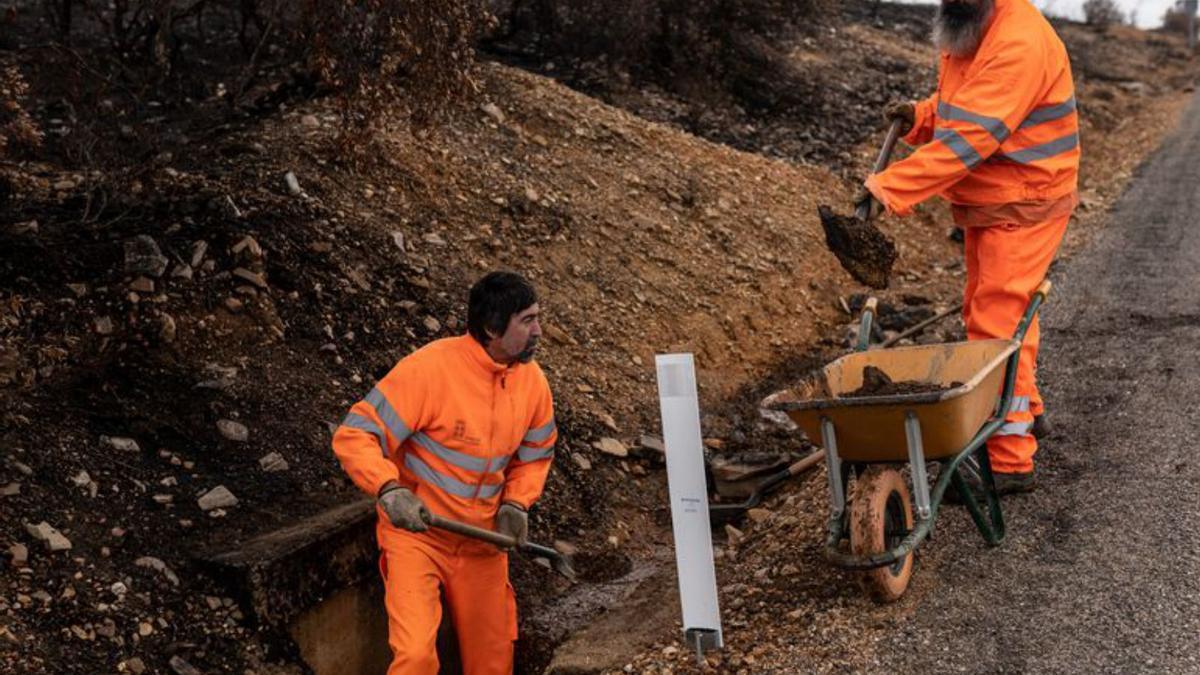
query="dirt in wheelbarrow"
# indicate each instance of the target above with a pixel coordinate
(877, 383)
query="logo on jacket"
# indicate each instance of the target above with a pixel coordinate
(460, 433)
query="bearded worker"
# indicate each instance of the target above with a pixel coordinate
(463, 428)
(998, 139)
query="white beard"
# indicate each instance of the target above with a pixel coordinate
(958, 36)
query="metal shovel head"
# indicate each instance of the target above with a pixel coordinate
(862, 249)
(564, 566)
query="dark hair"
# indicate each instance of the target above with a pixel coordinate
(493, 301)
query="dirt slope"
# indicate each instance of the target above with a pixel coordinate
(642, 237)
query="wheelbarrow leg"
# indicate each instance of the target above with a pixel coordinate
(993, 532)
(833, 464)
(916, 462)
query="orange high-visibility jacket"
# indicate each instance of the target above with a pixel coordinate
(1001, 127)
(463, 432)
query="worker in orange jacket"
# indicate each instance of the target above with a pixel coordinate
(999, 139)
(462, 428)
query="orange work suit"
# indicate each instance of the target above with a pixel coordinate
(465, 434)
(1000, 135)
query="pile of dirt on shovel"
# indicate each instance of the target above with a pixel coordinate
(877, 383)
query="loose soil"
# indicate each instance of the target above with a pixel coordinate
(862, 249)
(877, 383)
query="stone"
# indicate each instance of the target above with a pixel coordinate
(434, 239)
(53, 539)
(608, 421)
(121, 443)
(166, 328)
(758, 515)
(80, 290)
(118, 589)
(182, 667)
(184, 272)
(293, 184)
(142, 256)
(159, 566)
(310, 121)
(234, 305)
(233, 431)
(734, 535)
(611, 446)
(557, 334)
(145, 629)
(142, 285)
(19, 554)
(273, 462)
(10, 490)
(493, 111)
(652, 443)
(581, 461)
(104, 325)
(217, 498)
(135, 665)
(250, 245)
(398, 239)
(431, 324)
(199, 248)
(252, 277)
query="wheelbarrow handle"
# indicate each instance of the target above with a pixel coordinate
(863, 210)
(1043, 289)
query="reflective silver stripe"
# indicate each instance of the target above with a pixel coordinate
(386, 413)
(1015, 429)
(993, 126)
(1049, 113)
(499, 463)
(364, 424)
(1044, 151)
(1019, 404)
(528, 454)
(459, 459)
(541, 433)
(958, 145)
(448, 483)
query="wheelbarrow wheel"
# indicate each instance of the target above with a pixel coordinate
(879, 520)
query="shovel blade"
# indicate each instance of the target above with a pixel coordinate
(862, 249)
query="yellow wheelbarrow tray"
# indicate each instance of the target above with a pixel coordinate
(872, 436)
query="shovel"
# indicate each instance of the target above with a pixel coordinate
(865, 252)
(559, 562)
(719, 514)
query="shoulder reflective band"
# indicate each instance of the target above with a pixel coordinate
(388, 414)
(995, 127)
(364, 424)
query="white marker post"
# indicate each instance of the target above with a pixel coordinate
(689, 502)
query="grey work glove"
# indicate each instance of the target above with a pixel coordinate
(906, 111)
(404, 509)
(513, 521)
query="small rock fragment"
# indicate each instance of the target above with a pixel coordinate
(273, 462)
(53, 539)
(217, 498)
(611, 446)
(234, 431)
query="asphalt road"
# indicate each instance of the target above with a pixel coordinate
(1101, 568)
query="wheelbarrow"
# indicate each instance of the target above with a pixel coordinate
(871, 438)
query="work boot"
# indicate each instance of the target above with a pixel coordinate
(1041, 427)
(1006, 483)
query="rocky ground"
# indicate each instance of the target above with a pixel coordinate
(178, 337)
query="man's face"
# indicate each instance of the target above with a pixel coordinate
(959, 25)
(519, 340)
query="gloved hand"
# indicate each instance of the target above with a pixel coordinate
(905, 111)
(403, 508)
(864, 195)
(513, 521)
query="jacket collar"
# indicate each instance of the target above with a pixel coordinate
(476, 354)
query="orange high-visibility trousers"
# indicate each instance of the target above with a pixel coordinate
(474, 580)
(1005, 264)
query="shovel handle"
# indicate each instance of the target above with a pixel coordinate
(863, 211)
(490, 536)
